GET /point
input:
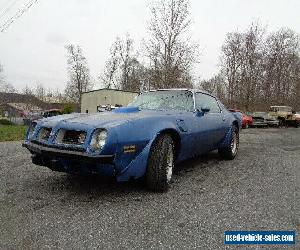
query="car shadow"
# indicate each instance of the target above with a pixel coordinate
(88, 188)
(201, 161)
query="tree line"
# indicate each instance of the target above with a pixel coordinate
(169, 53)
(258, 69)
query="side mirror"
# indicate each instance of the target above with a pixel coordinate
(205, 109)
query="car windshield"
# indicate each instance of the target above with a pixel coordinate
(281, 109)
(260, 114)
(165, 100)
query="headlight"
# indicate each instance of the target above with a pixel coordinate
(99, 139)
(31, 129)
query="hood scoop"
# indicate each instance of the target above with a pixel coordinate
(126, 110)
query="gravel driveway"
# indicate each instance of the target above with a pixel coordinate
(259, 190)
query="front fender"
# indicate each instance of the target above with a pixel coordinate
(135, 165)
(138, 166)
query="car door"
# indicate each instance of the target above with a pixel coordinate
(210, 127)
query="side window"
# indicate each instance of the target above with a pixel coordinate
(203, 100)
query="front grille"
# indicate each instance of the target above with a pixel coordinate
(44, 134)
(258, 119)
(76, 149)
(70, 137)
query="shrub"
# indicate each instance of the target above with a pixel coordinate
(68, 108)
(5, 122)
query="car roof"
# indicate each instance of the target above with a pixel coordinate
(281, 107)
(181, 89)
(52, 110)
(235, 110)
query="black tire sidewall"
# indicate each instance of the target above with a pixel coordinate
(226, 152)
(156, 174)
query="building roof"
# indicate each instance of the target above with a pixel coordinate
(19, 98)
(29, 99)
(24, 106)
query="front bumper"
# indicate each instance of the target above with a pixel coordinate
(273, 123)
(51, 152)
(82, 163)
(259, 124)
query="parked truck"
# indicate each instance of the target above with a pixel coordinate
(285, 115)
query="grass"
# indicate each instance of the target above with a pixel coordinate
(12, 132)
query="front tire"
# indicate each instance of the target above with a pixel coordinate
(230, 151)
(160, 163)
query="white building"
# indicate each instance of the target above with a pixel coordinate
(92, 101)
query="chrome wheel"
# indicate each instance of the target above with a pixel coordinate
(170, 162)
(234, 143)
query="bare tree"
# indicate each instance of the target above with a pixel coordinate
(251, 65)
(230, 63)
(282, 66)
(242, 64)
(123, 70)
(170, 50)
(79, 74)
(27, 91)
(109, 76)
(261, 70)
(59, 96)
(40, 92)
(4, 86)
(1, 74)
(214, 85)
(127, 58)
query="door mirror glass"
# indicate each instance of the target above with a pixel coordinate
(205, 109)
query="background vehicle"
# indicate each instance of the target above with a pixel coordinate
(285, 115)
(146, 139)
(297, 119)
(52, 112)
(262, 119)
(104, 108)
(247, 120)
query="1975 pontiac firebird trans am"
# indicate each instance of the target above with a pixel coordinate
(158, 129)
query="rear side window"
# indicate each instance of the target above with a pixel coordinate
(203, 100)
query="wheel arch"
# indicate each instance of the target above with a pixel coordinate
(175, 137)
(235, 123)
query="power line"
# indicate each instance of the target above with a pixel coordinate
(6, 10)
(18, 14)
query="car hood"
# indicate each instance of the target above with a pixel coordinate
(103, 119)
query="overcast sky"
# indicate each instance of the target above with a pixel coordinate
(32, 48)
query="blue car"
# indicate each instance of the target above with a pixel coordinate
(158, 129)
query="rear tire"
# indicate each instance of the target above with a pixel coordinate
(160, 163)
(230, 151)
(282, 122)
